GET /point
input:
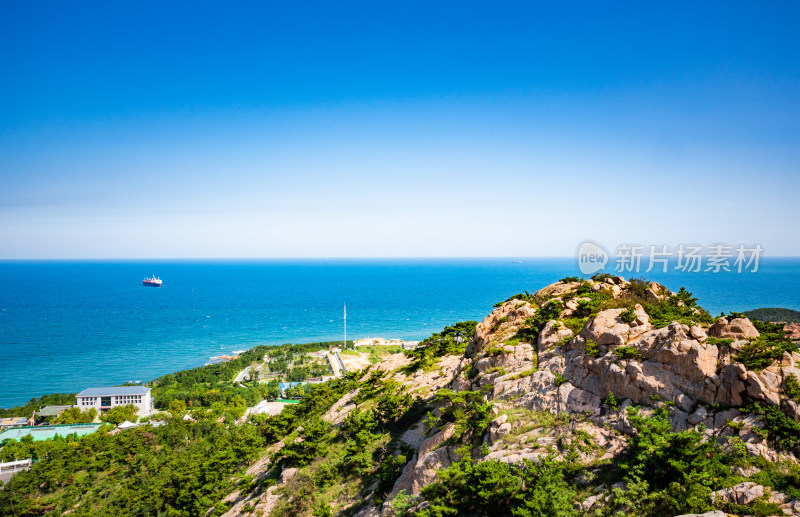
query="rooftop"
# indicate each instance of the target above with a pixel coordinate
(114, 390)
(47, 432)
(284, 385)
(12, 421)
(52, 410)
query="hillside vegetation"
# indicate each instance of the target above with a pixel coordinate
(774, 314)
(597, 397)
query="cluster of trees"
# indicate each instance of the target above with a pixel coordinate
(300, 373)
(769, 346)
(451, 340)
(54, 399)
(212, 387)
(184, 468)
(662, 472)
(364, 453)
(115, 415)
(74, 415)
(774, 314)
(181, 469)
(492, 487)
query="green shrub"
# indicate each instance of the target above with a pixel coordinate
(592, 348)
(499, 489)
(529, 331)
(575, 324)
(628, 352)
(783, 432)
(496, 369)
(671, 309)
(767, 348)
(735, 315)
(499, 322)
(593, 302)
(526, 296)
(670, 473)
(569, 279)
(761, 352)
(467, 410)
(611, 401)
(628, 316)
(792, 387)
(736, 426)
(718, 341)
(560, 379)
(758, 508)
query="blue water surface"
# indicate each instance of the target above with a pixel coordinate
(65, 326)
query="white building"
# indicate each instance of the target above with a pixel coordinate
(103, 399)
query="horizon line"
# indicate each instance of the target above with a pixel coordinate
(431, 257)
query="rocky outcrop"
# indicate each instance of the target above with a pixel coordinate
(614, 352)
(500, 325)
(792, 331)
(737, 328)
(573, 370)
(741, 494)
(426, 462)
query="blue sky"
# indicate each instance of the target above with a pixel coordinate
(395, 129)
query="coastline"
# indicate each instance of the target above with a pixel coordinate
(114, 330)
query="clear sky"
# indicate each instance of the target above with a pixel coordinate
(305, 129)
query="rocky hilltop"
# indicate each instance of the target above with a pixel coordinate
(587, 397)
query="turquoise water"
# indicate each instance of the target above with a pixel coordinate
(66, 326)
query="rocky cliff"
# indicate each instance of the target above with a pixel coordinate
(554, 376)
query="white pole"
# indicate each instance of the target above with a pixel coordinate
(345, 327)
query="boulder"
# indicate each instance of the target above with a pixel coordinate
(741, 494)
(763, 386)
(286, 475)
(698, 416)
(651, 296)
(496, 433)
(737, 328)
(607, 328)
(698, 333)
(552, 335)
(511, 359)
(590, 502)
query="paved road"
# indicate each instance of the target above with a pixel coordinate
(241, 375)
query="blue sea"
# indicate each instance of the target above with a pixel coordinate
(66, 326)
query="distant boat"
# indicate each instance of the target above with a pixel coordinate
(516, 262)
(153, 281)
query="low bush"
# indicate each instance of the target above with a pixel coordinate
(792, 387)
(783, 432)
(529, 331)
(628, 316)
(499, 489)
(628, 352)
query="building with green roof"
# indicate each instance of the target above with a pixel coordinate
(49, 411)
